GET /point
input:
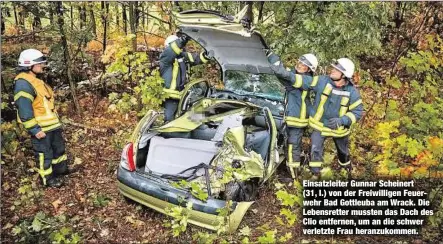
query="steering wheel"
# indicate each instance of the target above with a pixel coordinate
(224, 96)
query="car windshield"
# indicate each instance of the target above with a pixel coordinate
(262, 85)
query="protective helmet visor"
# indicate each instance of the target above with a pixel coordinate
(42, 59)
(305, 61)
(338, 66)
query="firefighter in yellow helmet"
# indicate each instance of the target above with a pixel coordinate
(34, 100)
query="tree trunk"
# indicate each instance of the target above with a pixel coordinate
(15, 15)
(36, 23)
(82, 11)
(143, 15)
(3, 27)
(249, 13)
(125, 19)
(51, 14)
(72, 17)
(260, 12)
(66, 56)
(91, 13)
(21, 19)
(136, 14)
(132, 19)
(117, 16)
(104, 22)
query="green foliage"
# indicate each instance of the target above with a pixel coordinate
(292, 203)
(65, 235)
(245, 231)
(196, 189)
(402, 155)
(28, 193)
(100, 200)
(222, 218)
(204, 237)
(179, 221)
(432, 230)
(288, 199)
(45, 227)
(328, 29)
(132, 67)
(268, 237)
(11, 132)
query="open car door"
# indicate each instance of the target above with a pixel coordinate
(193, 91)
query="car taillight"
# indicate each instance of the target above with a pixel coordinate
(127, 159)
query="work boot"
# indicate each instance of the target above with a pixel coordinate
(54, 182)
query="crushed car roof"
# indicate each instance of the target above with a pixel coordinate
(231, 50)
(226, 38)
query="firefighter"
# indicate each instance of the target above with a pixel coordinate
(34, 100)
(336, 107)
(174, 64)
(297, 106)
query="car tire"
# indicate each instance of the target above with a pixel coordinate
(242, 191)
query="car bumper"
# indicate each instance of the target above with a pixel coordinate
(160, 196)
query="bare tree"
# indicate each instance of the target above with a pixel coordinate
(91, 14)
(104, 16)
(82, 11)
(132, 24)
(125, 19)
(66, 55)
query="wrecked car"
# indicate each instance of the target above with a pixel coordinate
(223, 143)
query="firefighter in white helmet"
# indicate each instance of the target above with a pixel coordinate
(337, 106)
(297, 106)
(174, 66)
(34, 100)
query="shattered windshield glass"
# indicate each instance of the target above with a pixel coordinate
(261, 85)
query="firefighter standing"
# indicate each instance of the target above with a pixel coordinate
(297, 108)
(337, 106)
(173, 69)
(34, 100)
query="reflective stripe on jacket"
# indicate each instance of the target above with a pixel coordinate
(297, 101)
(330, 101)
(174, 66)
(28, 90)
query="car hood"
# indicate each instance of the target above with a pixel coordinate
(233, 50)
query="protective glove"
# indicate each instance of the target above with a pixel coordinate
(206, 55)
(268, 52)
(183, 40)
(334, 123)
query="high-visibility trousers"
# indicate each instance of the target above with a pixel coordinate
(50, 154)
(294, 148)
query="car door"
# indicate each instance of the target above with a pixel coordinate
(193, 91)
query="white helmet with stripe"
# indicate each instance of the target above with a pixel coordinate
(309, 60)
(31, 57)
(346, 66)
(170, 39)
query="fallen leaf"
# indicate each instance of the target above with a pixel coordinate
(56, 204)
(104, 233)
(78, 161)
(7, 226)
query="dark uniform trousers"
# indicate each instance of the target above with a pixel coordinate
(50, 154)
(295, 136)
(341, 143)
(170, 106)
